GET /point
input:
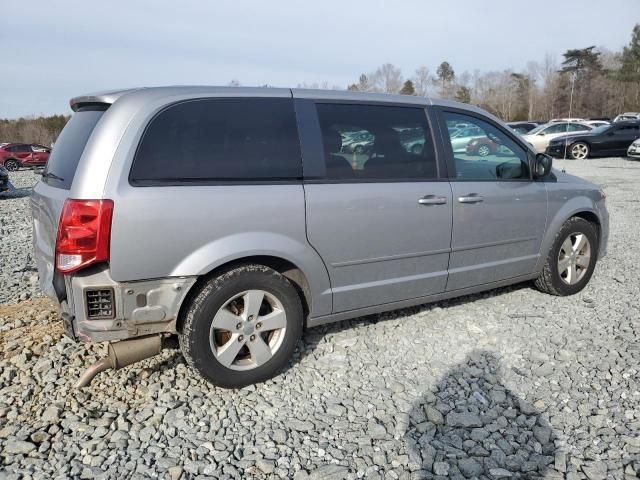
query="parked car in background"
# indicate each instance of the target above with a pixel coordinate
(358, 142)
(596, 123)
(412, 139)
(627, 116)
(4, 179)
(277, 253)
(16, 155)
(523, 127)
(634, 149)
(462, 137)
(482, 146)
(555, 120)
(609, 140)
(540, 136)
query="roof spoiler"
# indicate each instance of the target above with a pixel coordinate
(99, 98)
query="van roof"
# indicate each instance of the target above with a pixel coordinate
(111, 96)
(154, 93)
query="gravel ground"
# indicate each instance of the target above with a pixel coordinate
(508, 384)
(18, 275)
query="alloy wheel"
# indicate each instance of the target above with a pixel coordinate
(248, 330)
(574, 258)
(579, 151)
(483, 150)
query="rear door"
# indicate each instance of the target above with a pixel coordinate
(499, 212)
(380, 217)
(50, 193)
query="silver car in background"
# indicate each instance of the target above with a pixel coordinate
(232, 218)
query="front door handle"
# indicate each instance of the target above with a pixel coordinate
(471, 198)
(432, 200)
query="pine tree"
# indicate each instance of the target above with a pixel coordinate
(408, 88)
(446, 75)
(583, 64)
(629, 72)
(363, 83)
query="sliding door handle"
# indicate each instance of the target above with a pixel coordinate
(432, 200)
(471, 198)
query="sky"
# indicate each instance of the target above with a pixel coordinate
(54, 50)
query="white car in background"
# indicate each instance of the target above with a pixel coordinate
(596, 123)
(627, 116)
(540, 137)
(634, 149)
(556, 120)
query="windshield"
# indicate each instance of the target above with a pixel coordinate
(600, 129)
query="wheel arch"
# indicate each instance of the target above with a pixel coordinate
(590, 217)
(581, 207)
(281, 265)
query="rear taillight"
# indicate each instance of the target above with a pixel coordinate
(83, 234)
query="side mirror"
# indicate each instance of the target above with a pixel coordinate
(542, 165)
(541, 134)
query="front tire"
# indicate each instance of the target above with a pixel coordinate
(572, 259)
(579, 151)
(11, 165)
(242, 326)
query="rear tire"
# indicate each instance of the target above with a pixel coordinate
(12, 165)
(242, 326)
(572, 259)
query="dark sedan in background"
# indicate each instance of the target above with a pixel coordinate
(606, 141)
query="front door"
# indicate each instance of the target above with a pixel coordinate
(379, 216)
(499, 212)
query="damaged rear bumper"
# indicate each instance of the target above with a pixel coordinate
(127, 309)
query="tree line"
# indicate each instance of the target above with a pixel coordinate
(40, 130)
(587, 82)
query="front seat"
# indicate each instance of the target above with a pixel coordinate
(337, 166)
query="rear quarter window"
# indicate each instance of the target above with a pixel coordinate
(65, 156)
(220, 140)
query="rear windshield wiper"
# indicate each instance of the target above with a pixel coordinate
(52, 175)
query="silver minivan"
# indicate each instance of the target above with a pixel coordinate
(231, 218)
